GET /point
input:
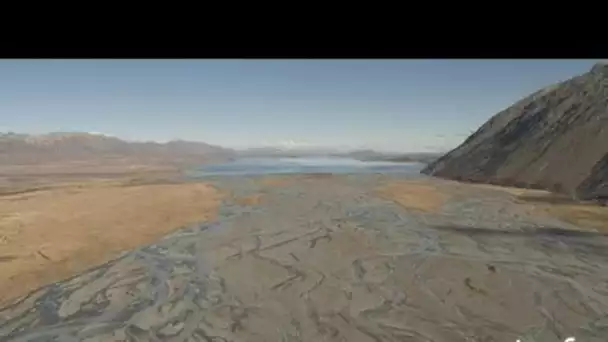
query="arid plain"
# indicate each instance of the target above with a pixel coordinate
(152, 256)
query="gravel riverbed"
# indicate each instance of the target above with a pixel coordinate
(323, 258)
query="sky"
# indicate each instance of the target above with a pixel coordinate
(396, 105)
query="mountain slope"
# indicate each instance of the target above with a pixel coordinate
(86, 147)
(556, 139)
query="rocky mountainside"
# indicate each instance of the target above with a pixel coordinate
(555, 139)
(63, 147)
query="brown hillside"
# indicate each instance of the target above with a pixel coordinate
(556, 139)
(64, 148)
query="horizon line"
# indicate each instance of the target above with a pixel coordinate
(303, 147)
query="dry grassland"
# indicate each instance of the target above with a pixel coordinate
(49, 233)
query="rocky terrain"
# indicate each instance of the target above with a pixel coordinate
(556, 138)
(339, 258)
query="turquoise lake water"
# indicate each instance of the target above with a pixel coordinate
(261, 166)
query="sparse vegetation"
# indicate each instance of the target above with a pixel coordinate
(414, 195)
(50, 233)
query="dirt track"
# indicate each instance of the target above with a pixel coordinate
(340, 259)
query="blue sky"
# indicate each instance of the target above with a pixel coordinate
(399, 105)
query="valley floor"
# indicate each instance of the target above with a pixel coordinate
(55, 229)
(324, 258)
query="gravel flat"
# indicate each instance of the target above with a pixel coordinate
(325, 259)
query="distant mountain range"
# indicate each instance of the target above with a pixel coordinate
(19, 149)
(555, 139)
(67, 148)
(364, 155)
(370, 155)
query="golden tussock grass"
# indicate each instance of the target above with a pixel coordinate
(415, 195)
(50, 234)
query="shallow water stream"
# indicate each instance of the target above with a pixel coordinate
(325, 259)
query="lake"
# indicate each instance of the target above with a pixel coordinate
(261, 166)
